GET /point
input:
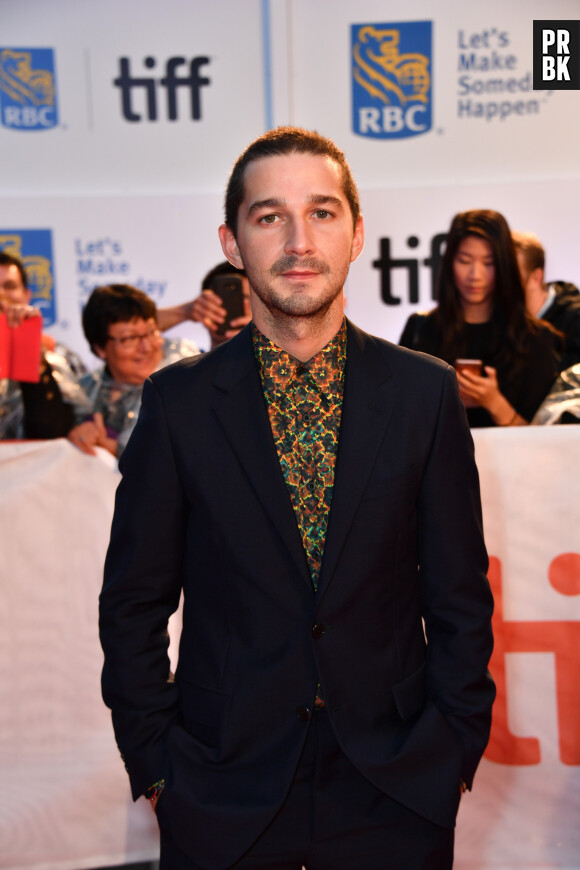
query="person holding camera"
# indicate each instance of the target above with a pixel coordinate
(42, 408)
(223, 305)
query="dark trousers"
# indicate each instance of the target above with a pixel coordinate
(335, 819)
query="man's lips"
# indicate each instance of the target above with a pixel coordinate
(299, 274)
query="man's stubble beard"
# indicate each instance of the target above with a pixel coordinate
(296, 309)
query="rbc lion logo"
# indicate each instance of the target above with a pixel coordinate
(391, 79)
(34, 249)
(28, 88)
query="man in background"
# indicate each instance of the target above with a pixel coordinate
(557, 302)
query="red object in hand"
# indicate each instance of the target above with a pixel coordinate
(20, 349)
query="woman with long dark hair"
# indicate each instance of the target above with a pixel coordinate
(481, 317)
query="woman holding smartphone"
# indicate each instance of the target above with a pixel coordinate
(505, 359)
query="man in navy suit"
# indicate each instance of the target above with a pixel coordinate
(312, 491)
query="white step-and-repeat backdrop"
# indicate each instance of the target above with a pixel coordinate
(120, 121)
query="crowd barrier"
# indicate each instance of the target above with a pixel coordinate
(65, 802)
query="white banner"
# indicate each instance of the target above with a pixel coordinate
(65, 801)
(525, 805)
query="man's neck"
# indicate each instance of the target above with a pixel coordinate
(536, 297)
(301, 337)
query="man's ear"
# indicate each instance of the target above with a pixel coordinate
(358, 239)
(98, 351)
(230, 246)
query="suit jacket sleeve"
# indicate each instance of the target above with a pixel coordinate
(141, 589)
(456, 599)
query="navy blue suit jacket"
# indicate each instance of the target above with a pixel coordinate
(403, 596)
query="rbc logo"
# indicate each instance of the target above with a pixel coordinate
(391, 80)
(28, 88)
(34, 248)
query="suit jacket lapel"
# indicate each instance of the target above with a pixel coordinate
(366, 412)
(241, 410)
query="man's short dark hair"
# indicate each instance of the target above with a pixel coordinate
(114, 303)
(532, 250)
(7, 259)
(224, 268)
(287, 140)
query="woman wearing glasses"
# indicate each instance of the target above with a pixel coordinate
(120, 324)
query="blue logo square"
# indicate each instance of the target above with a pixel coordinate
(34, 249)
(391, 79)
(28, 98)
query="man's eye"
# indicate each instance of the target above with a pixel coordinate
(268, 219)
(322, 213)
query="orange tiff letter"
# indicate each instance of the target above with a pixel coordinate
(560, 638)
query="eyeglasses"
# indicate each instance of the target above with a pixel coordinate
(130, 342)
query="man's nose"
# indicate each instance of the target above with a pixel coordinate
(299, 239)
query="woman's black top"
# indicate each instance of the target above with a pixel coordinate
(524, 385)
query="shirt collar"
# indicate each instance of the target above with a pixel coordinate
(277, 367)
(551, 295)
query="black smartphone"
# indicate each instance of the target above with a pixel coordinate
(230, 291)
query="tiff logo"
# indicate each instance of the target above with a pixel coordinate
(387, 263)
(557, 55)
(193, 81)
(562, 639)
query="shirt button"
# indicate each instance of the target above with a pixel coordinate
(310, 486)
(303, 714)
(318, 630)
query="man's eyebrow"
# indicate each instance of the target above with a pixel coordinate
(325, 199)
(265, 203)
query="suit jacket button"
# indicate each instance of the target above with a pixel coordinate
(318, 630)
(303, 714)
